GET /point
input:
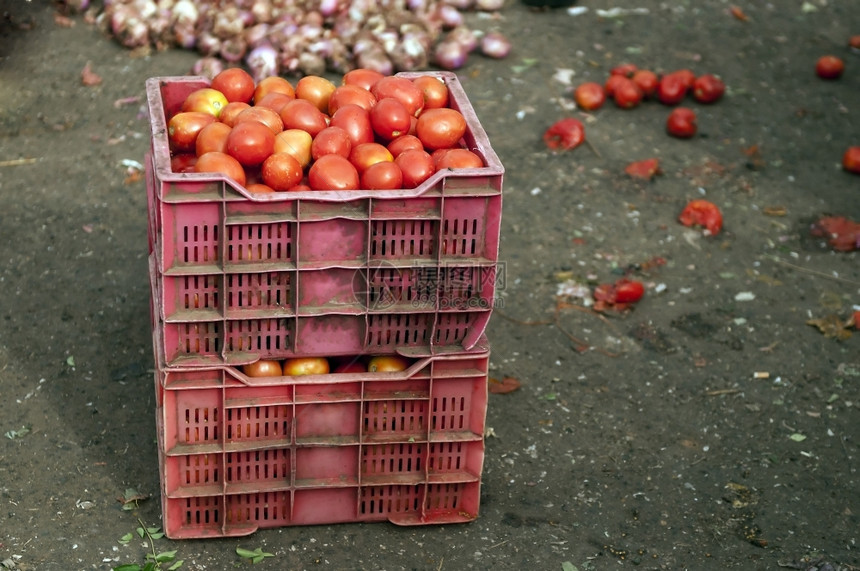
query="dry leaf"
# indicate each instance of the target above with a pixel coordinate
(831, 326)
(89, 77)
(774, 211)
(503, 387)
(738, 13)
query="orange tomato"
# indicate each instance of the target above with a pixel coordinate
(305, 366)
(388, 364)
(263, 368)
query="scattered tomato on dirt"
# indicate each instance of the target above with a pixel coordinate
(564, 135)
(708, 88)
(681, 123)
(645, 169)
(702, 213)
(829, 67)
(843, 234)
(589, 96)
(618, 296)
(504, 386)
(851, 159)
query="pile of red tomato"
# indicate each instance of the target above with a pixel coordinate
(371, 132)
(300, 366)
(628, 86)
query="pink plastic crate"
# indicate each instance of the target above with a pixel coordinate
(238, 454)
(242, 276)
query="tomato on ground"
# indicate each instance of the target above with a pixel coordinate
(702, 213)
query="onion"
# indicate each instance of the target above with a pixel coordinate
(376, 59)
(448, 16)
(307, 36)
(328, 7)
(262, 61)
(256, 35)
(207, 67)
(460, 4)
(233, 49)
(489, 5)
(495, 45)
(450, 55)
(463, 36)
(207, 44)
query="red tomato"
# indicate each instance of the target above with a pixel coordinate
(183, 128)
(645, 169)
(628, 291)
(589, 96)
(708, 89)
(627, 94)
(612, 84)
(440, 128)
(213, 137)
(389, 118)
(350, 95)
(687, 77)
(235, 83)
(263, 368)
(355, 121)
(281, 171)
(851, 160)
(302, 114)
(222, 163)
(361, 77)
(829, 67)
(681, 123)
(854, 44)
(625, 70)
(333, 172)
(402, 89)
(351, 366)
(457, 159)
(384, 175)
(565, 134)
(404, 143)
(331, 141)
(671, 89)
(231, 111)
(183, 162)
(274, 101)
(702, 213)
(250, 143)
(259, 188)
(273, 83)
(296, 142)
(388, 364)
(205, 100)
(434, 89)
(299, 366)
(262, 115)
(416, 165)
(315, 89)
(366, 154)
(647, 82)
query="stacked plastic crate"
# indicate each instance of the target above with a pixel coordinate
(237, 277)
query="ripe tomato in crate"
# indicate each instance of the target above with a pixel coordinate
(239, 453)
(240, 276)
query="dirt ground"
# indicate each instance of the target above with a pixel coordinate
(710, 427)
